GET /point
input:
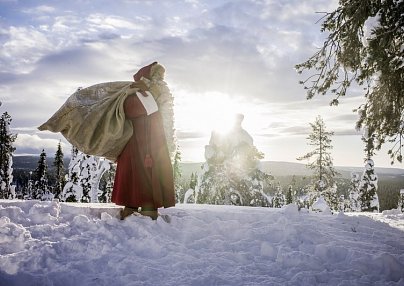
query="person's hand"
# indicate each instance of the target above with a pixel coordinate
(140, 85)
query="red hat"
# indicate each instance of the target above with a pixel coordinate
(143, 72)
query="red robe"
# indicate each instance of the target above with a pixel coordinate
(137, 185)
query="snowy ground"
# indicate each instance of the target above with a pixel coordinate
(49, 243)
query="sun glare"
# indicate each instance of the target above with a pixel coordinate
(208, 112)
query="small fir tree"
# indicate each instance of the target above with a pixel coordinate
(41, 188)
(331, 198)
(99, 167)
(401, 201)
(367, 190)
(368, 198)
(289, 196)
(85, 175)
(344, 204)
(107, 184)
(321, 160)
(30, 187)
(179, 190)
(193, 181)
(59, 172)
(86, 168)
(279, 199)
(72, 190)
(354, 203)
(92, 168)
(230, 175)
(7, 190)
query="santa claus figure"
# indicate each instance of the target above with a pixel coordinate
(144, 175)
(130, 123)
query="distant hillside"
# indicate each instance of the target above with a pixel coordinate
(275, 168)
(31, 162)
(298, 169)
(279, 169)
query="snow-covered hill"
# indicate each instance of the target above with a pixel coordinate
(50, 243)
(279, 169)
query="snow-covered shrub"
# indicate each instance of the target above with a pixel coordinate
(368, 198)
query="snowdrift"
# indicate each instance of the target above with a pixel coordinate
(51, 243)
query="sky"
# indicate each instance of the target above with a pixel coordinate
(75, 244)
(221, 58)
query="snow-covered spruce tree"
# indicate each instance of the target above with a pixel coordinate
(230, 175)
(7, 190)
(59, 172)
(320, 160)
(354, 203)
(85, 173)
(30, 187)
(179, 190)
(364, 44)
(193, 181)
(279, 199)
(99, 168)
(72, 190)
(91, 170)
(85, 177)
(344, 204)
(214, 186)
(368, 198)
(331, 197)
(41, 189)
(401, 201)
(306, 197)
(107, 184)
(289, 195)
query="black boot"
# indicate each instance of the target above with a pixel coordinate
(150, 212)
(127, 211)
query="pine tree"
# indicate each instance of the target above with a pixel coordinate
(193, 181)
(107, 184)
(230, 183)
(85, 175)
(367, 190)
(7, 190)
(368, 198)
(354, 204)
(321, 163)
(72, 191)
(279, 199)
(344, 204)
(289, 196)
(41, 188)
(59, 172)
(230, 175)
(179, 190)
(98, 168)
(401, 201)
(331, 197)
(214, 187)
(30, 187)
(86, 162)
(364, 45)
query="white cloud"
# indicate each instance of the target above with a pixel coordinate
(23, 47)
(42, 9)
(33, 144)
(100, 21)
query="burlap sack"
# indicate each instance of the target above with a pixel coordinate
(93, 119)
